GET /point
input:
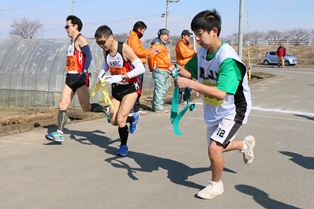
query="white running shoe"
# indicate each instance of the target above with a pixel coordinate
(162, 111)
(248, 154)
(141, 112)
(212, 190)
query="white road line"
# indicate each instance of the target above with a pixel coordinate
(277, 110)
(272, 117)
(286, 71)
(283, 111)
(281, 118)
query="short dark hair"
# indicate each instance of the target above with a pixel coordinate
(139, 25)
(76, 21)
(207, 20)
(103, 31)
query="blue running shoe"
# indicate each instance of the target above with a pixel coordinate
(133, 125)
(123, 150)
(54, 136)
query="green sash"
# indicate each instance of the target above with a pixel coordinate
(175, 117)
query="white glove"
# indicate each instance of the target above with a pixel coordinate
(101, 74)
(113, 79)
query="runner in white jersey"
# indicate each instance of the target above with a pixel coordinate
(124, 67)
(221, 78)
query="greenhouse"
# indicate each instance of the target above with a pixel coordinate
(32, 72)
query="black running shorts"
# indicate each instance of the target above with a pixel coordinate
(71, 81)
(119, 91)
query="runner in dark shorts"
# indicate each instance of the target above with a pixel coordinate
(124, 67)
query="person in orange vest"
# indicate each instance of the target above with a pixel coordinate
(136, 44)
(159, 64)
(184, 52)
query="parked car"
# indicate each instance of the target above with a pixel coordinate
(272, 58)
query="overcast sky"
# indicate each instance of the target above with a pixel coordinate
(120, 15)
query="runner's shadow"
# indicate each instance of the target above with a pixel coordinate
(263, 198)
(94, 138)
(50, 128)
(305, 162)
(145, 107)
(305, 116)
(178, 173)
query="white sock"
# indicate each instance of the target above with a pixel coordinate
(215, 182)
(245, 147)
(60, 132)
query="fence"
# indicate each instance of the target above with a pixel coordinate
(289, 43)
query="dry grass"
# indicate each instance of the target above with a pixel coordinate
(303, 53)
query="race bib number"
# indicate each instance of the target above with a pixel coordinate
(209, 100)
(117, 71)
(71, 63)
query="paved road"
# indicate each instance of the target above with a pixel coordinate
(166, 171)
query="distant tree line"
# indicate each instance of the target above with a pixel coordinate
(28, 29)
(293, 37)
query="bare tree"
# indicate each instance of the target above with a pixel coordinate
(148, 40)
(255, 38)
(231, 39)
(175, 39)
(25, 28)
(123, 37)
(274, 35)
(298, 36)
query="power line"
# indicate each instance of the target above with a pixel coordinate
(110, 21)
(284, 10)
(17, 8)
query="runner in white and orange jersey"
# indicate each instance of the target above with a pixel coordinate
(78, 61)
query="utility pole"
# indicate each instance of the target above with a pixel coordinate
(240, 31)
(72, 7)
(167, 9)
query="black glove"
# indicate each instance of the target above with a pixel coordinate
(83, 79)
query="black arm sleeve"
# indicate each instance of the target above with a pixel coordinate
(88, 56)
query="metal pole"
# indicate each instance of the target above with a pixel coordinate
(240, 31)
(167, 9)
(167, 12)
